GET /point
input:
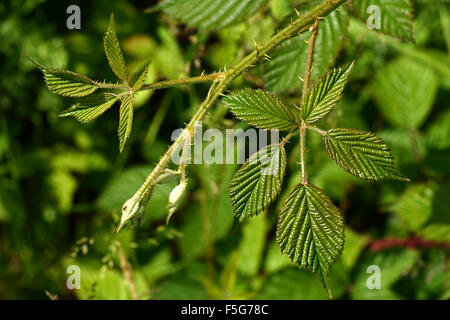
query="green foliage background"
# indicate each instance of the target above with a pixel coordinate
(62, 183)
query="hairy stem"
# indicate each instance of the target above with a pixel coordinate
(221, 83)
(164, 84)
(302, 151)
(288, 137)
(311, 44)
(319, 131)
(309, 62)
(179, 82)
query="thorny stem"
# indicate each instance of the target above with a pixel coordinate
(311, 44)
(319, 131)
(288, 137)
(221, 83)
(179, 82)
(164, 84)
(302, 152)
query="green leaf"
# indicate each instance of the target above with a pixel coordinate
(90, 107)
(323, 95)
(113, 52)
(438, 133)
(362, 154)
(125, 120)
(393, 264)
(310, 230)
(396, 16)
(415, 205)
(137, 78)
(261, 109)
(210, 14)
(405, 92)
(438, 232)
(66, 83)
(288, 60)
(252, 244)
(258, 182)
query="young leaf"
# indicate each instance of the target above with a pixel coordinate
(261, 109)
(325, 94)
(66, 83)
(137, 78)
(405, 92)
(210, 14)
(362, 154)
(113, 52)
(310, 230)
(125, 120)
(90, 107)
(258, 182)
(289, 59)
(396, 16)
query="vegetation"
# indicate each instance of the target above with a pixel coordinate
(63, 183)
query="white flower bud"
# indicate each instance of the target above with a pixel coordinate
(177, 193)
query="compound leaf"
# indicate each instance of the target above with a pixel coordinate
(137, 78)
(362, 154)
(210, 14)
(90, 107)
(261, 109)
(325, 94)
(396, 16)
(125, 120)
(310, 230)
(258, 182)
(113, 52)
(288, 60)
(66, 83)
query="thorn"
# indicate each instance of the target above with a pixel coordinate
(306, 41)
(303, 80)
(296, 11)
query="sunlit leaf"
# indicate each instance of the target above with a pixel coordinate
(258, 182)
(310, 230)
(261, 109)
(113, 52)
(125, 120)
(66, 83)
(362, 154)
(90, 107)
(137, 78)
(325, 94)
